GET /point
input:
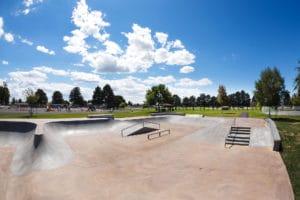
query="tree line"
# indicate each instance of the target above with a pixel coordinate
(269, 91)
(161, 96)
(104, 98)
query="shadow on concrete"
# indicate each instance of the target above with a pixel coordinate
(20, 127)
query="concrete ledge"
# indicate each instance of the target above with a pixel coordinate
(275, 135)
(167, 113)
(109, 116)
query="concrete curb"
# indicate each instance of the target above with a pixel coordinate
(275, 135)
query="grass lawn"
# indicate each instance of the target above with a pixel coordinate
(289, 128)
(54, 115)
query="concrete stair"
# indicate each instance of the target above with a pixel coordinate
(238, 136)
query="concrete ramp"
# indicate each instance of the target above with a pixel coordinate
(140, 128)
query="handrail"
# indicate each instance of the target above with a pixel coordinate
(143, 125)
(159, 132)
(149, 122)
(122, 131)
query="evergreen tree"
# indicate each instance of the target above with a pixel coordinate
(4, 94)
(108, 96)
(57, 97)
(185, 102)
(176, 101)
(75, 97)
(222, 96)
(42, 97)
(98, 96)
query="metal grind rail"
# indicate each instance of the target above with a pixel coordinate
(126, 131)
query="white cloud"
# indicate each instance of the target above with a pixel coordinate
(28, 78)
(25, 41)
(78, 65)
(187, 69)
(85, 77)
(50, 70)
(26, 11)
(4, 62)
(29, 6)
(180, 57)
(103, 62)
(76, 43)
(1, 27)
(177, 44)
(162, 38)
(8, 37)
(187, 82)
(159, 80)
(140, 54)
(45, 50)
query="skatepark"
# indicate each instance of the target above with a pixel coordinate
(187, 157)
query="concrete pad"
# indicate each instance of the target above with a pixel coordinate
(182, 165)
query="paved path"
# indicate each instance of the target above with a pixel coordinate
(244, 115)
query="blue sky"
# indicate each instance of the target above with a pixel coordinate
(191, 46)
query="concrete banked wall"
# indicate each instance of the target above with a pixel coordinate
(275, 135)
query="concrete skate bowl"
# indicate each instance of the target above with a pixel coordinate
(92, 161)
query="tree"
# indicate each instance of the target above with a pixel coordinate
(108, 96)
(213, 102)
(239, 98)
(57, 97)
(222, 96)
(159, 95)
(201, 100)
(4, 94)
(176, 101)
(118, 99)
(192, 101)
(98, 96)
(297, 81)
(42, 97)
(269, 87)
(75, 97)
(185, 102)
(31, 99)
(285, 98)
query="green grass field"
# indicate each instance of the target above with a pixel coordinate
(289, 129)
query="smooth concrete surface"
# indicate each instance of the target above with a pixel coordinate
(91, 160)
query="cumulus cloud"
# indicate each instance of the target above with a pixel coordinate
(85, 77)
(45, 50)
(30, 78)
(4, 62)
(141, 52)
(187, 82)
(50, 70)
(187, 69)
(162, 38)
(159, 80)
